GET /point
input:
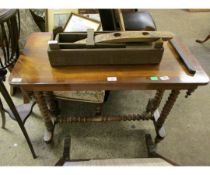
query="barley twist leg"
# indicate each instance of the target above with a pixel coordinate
(52, 102)
(154, 103)
(165, 112)
(189, 92)
(41, 101)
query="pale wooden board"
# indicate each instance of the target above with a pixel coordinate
(120, 19)
(121, 162)
(131, 36)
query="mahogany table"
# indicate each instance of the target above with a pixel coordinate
(33, 72)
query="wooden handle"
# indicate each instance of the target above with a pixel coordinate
(184, 55)
(119, 15)
(131, 36)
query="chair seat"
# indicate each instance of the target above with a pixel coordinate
(84, 96)
(139, 21)
(120, 162)
(24, 111)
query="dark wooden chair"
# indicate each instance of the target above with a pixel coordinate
(39, 18)
(10, 31)
(133, 20)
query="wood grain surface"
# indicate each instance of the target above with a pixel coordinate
(33, 72)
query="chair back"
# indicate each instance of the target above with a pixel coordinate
(9, 36)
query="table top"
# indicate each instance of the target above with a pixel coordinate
(34, 72)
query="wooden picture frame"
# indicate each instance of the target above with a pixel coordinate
(80, 23)
(55, 17)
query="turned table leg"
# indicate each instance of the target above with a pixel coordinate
(189, 92)
(154, 103)
(160, 119)
(99, 109)
(152, 111)
(41, 101)
(52, 102)
(26, 97)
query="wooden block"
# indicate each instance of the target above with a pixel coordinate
(90, 37)
(120, 19)
(70, 52)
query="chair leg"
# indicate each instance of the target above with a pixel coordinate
(12, 90)
(151, 147)
(67, 146)
(99, 109)
(202, 41)
(66, 152)
(2, 115)
(106, 95)
(11, 105)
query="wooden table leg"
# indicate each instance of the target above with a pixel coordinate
(41, 101)
(26, 97)
(152, 107)
(154, 103)
(99, 109)
(189, 92)
(160, 119)
(52, 102)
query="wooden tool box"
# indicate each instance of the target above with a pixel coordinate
(107, 48)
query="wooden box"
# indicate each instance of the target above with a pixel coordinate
(63, 51)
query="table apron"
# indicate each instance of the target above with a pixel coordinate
(105, 87)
